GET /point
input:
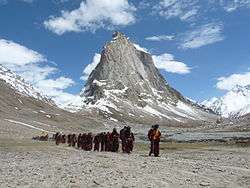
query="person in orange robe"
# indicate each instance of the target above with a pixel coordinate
(156, 140)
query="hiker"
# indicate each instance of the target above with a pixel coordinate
(107, 140)
(84, 141)
(129, 140)
(122, 137)
(63, 139)
(114, 141)
(58, 138)
(156, 135)
(96, 142)
(73, 140)
(55, 135)
(150, 137)
(69, 139)
(102, 140)
(89, 142)
(79, 140)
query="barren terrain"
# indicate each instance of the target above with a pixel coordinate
(27, 163)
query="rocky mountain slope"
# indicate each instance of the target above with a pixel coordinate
(24, 111)
(127, 86)
(19, 85)
(234, 103)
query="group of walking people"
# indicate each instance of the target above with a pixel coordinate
(104, 141)
(109, 141)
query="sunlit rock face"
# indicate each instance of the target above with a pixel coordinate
(126, 84)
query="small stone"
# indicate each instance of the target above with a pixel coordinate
(204, 184)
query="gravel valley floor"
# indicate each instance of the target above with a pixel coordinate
(26, 163)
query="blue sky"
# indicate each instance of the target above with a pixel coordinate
(201, 47)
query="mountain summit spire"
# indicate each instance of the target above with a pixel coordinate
(118, 34)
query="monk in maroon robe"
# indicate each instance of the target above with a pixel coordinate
(97, 142)
(58, 139)
(89, 142)
(129, 140)
(69, 139)
(102, 140)
(150, 137)
(73, 140)
(84, 141)
(114, 140)
(122, 137)
(79, 140)
(63, 139)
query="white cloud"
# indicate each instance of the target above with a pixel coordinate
(166, 62)
(160, 38)
(201, 36)
(92, 15)
(13, 53)
(55, 84)
(185, 10)
(228, 83)
(32, 66)
(191, 10)
(232, 5)
(90, 67)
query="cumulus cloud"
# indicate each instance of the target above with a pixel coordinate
(229, 82)
(13, 53)
(169, 64)
(56, 84)
(90, 67)
(202, 35)
(160, 38)
(34, 68)
(92, 15)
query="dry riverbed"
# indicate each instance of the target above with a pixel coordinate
(26, 163)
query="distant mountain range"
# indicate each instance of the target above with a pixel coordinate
(234, 103)
(125, 86)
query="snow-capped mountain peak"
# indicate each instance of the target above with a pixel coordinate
(235, 102)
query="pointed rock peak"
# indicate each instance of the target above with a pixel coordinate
(119, 38)
(123, 66)
(118, 35)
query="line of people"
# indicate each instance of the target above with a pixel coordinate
(104, 141)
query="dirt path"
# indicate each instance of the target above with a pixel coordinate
(60, 166)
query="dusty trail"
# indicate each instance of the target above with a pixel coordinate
(61, 166)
